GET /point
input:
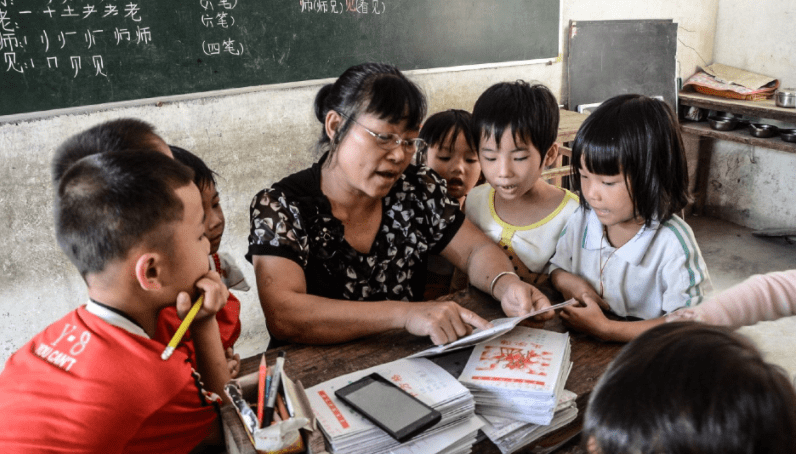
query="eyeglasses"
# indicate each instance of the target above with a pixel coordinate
(391, 141)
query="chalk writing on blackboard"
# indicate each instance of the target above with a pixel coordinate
(339, 6)
(63, 31)
(50, 34)
(68, 53)
(220, 15)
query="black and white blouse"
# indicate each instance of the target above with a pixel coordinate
(294, 220)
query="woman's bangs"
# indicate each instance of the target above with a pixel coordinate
(396, 99)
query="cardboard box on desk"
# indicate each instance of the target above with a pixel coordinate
(292, 434)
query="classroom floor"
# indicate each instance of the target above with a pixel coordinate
(732, 254)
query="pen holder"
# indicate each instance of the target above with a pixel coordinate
(289, 436)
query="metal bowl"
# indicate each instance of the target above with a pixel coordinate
(785, 97)
(762, 130)
(788, 135)
(723, 122)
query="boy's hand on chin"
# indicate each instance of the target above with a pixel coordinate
(215, 297)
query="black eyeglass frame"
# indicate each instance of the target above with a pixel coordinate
(391, 141)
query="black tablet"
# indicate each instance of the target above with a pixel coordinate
(385, 404)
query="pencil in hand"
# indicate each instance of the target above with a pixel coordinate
(186, 322)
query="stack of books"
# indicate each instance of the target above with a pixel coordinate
(519, 375)
(510, 435)
(348, 432)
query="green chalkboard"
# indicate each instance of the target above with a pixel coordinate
(68, 53)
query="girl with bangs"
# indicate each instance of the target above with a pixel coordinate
(340, 250)
(625, 251)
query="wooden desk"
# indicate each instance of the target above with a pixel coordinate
(313, 364)
(568, 124)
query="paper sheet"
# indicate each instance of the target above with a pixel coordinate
(501, 326)
(731, 75)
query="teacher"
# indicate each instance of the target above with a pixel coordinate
(340, 249)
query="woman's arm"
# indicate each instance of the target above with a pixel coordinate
(293, 315)
(473, 251)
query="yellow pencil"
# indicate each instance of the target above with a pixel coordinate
(182, 329)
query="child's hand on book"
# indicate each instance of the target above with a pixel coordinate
(587, 316)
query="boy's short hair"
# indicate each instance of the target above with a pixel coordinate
(114, 135)
(451, 122)
(686, 387)
(531, 111)
(203, 176)
(639, 136)
(107, 203)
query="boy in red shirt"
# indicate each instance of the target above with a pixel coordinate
(132, 224)
(229, 317)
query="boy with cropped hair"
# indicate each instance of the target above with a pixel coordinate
(132, 224)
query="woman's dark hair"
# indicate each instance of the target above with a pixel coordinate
(686, 387)
(531, 111)
(640, 137)
(113, 135)
(373, 88)
(203, 176)
(448, 123)
(107, 203)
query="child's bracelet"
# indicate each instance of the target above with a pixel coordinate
(494, 280)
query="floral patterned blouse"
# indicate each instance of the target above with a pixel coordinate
(294, 220)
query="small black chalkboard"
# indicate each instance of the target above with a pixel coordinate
(610, 58)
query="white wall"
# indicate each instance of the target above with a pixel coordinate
(755, 186)
(251, 139)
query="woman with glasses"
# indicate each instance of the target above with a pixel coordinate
(340, 249)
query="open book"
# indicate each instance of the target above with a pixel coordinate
(501, 326)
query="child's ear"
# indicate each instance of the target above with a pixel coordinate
(333, 120)
(148, 271)
(551, 155)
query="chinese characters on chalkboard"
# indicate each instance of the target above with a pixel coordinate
(218, 15)
(71, 37)
(340, 6)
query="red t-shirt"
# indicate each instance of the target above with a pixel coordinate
(83, 385)
(228, 324)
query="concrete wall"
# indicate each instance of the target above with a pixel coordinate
(754, 186)
(251, 138)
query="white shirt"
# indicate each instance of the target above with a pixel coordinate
(659, 270)
(533, 244)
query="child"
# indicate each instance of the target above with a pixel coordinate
(132, 224)
(686, 387)
(517, 125)
(451, 150)
(113, 135)
(451, 153)
(229, 317)
(625, 249)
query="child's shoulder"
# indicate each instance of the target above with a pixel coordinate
(568, 204)
(481, 191)
(95, 354)
(673, 239)
(676, 229)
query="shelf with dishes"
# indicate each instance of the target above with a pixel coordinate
(731, 121)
